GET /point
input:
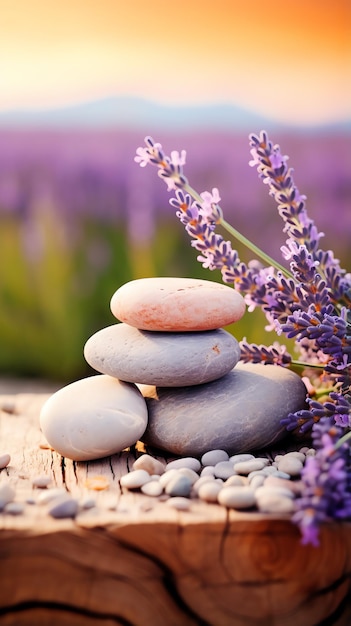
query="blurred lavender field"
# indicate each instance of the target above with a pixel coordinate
(78, 218)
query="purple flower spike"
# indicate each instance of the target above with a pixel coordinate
(310, 304)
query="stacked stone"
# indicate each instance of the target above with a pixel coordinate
(170, 376)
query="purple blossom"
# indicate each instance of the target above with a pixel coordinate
(326, 493)
(275, 354)
(310, 303)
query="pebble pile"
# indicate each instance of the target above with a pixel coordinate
(169, 375)
(242, 482)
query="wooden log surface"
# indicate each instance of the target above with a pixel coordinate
(133, 560)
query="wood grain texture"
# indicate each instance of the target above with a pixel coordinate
(133, 560)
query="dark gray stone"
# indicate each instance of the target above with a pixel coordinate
(162, 358)
(237, 413)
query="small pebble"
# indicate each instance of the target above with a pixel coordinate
(41, 482)
(14, 508)
(187, 461)
(237, 458)
(280, 474)
(235, 480)
(149, 464)
(135, 479)
(279, 491)
(274, 503)
(296, 455)
(209, 491)
(246, 467)
(189, 473)
(179, 486)
(304, 450)
(212, 457)
(224, 469)
(166, 477)
(207, 471)
(7, 494)
(275, 481)
(179, 503)
(201, 481)
(269, 469)
(87, 502)
(290, 465)
(237, 497)
(152, 488)
(4, 460)
(258, 481)
(311, 452)
(50, 494)
(63, 507)
(263, 460)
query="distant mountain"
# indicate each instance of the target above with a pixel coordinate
(131, 113)
(135, 113)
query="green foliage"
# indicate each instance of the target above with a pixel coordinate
(57, 279)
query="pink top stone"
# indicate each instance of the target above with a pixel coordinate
(176, 304)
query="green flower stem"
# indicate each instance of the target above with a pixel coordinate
(303, 365)
(246, 242)
(342, 440)
(262, 255)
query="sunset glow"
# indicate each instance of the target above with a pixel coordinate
(290, 61)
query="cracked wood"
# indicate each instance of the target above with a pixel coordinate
(134, 561)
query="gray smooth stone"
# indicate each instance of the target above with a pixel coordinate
(162, 358)
(66, 506)
(240, 412)
(179, 486)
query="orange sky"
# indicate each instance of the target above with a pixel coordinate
(290, 60)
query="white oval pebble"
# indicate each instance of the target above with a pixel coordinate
(266, 490)
(166, 477)
(237, 458)
(7, 494)
(290, 465)
(296, 455)
(207, 471)
(224, 469)
(179, 503)
(41, 482)
(212, 457)
(246, 467)
(4, 460)
(200, 481)
(209, 491)
(257, 481)
(152, 488)
(187, 461)
(237, 497)
(274, 503)
(50, 494)
(149, 464)
(135, 479)
(14, 508)
(94, 417)
(275, 481)
(235, 480)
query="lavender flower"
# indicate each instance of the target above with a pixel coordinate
(326, 491)
(309, 302)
